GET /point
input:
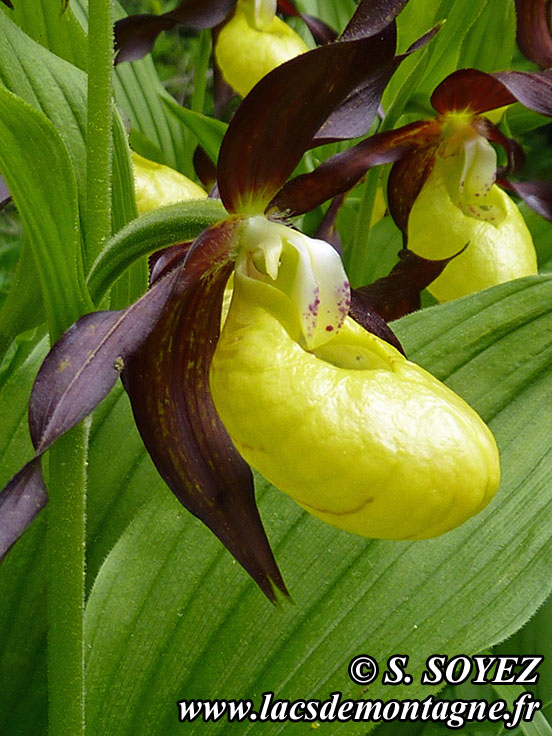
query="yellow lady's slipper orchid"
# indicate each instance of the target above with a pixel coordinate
(458, 204)
(156, 185)
(253, 43)
(340, 420)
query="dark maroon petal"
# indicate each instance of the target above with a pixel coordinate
(533, 31)
(362, 311)
(164, 261)
(5, 195)
(406, 180)
(516, 154)
(136, 34)
(398, 294)
(84, 364)
(470, 90)
(327, 229)
(536, 194)
(20, 501)
(321, 32)
(223, 94)
(204, 168)
(353, 118)
(168, 384)
(372, 17)
(278, 119)
(341, 172)
(532, 89)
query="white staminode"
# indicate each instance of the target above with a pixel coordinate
(469, 171)
(307, 270)
(263, 13)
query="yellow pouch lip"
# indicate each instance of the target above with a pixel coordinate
(245, 53)
(157, 185)
(495, 253)
(291, 397)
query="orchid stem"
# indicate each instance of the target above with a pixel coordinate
(200, 78)
(65, 581)
(356, 255)
(67, 485)
(98, 131)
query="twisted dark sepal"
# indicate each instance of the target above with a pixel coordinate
(75, 376)
(398, 294)
(355, 115)
(278, 119)
(136, 34)
(479, 92)
(533, 31)
(321, 32)
(343, 171)
(168, 384)
(535, 194)
(5, 195)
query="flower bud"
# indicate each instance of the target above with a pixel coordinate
(253, 43)
(355, 433)
(156, 185)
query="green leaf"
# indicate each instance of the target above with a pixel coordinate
(171, 617)
(47, 25)
(23, 308)
(40, 176)
(208, 131)
(148, 233)
(22, 574)
(534, 639)
(116, 491)
(58, 89)
(467, 38)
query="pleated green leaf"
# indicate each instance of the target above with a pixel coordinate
(206, 632)
(208, 131)
(116, 492)
(35, 163)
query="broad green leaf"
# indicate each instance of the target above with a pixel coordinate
(380, 255)
(49, 84)
(56, 30)
(538, 726)
(23, 307)
(116, 491)
(139, 93)
(22, 625)
(534, 639)
(172, 617)
(467, 38)
(40, 176)
(541, 230)
(58, 89)
(208, 131)
(137, 87)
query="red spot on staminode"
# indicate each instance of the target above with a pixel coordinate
(329, 328)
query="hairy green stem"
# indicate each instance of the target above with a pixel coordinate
(98, 132)
(65, 581)
(67, 483)
(200, 78)
(356, 255)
